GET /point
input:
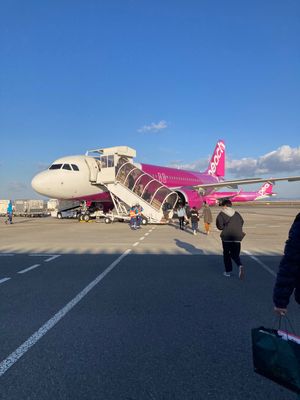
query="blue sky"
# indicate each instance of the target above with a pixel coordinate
(168, 78)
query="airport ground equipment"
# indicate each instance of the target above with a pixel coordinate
(63, 208)
(120, 213)
(113, 169)
(87, 215)
(30, 208)
(3, 207)
(36, 208)
(20, 208)
(65, 214)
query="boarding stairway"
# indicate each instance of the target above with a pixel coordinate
(129, 185)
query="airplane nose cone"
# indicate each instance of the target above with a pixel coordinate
(39, 183)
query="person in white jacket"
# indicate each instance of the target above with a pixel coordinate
(181, 216)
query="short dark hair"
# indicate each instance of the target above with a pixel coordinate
(226, 202)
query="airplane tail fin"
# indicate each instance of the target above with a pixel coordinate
(216, 165)
(266, 189)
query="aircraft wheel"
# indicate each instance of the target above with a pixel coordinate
(59, 216)
(86, 217)
(144, 221)
(107, 220)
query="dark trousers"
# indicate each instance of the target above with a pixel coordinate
(231, 251)
(181, 222)
(133, 222)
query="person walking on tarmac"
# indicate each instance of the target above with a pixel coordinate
(194, 219)
(9, 213)
(207, 217)
(288, 276)
(139, 210)
(133, 216)
(231, 223)
(181, 216)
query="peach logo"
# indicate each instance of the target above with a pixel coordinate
(265, 187)
(216, 158)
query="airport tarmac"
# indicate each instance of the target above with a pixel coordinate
(96, 311)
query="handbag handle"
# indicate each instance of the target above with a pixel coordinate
(287, 322)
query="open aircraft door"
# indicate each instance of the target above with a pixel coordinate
(94, 168)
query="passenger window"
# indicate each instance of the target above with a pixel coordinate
(56, 166)
(67, 166)
(75, 168)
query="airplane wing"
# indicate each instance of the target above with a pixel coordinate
(233, 184)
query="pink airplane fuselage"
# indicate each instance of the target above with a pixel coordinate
(181, 181)
(265, 191)
(233, 196)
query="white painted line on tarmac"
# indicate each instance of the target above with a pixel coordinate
(33, 339)
(146, 234)
(261, 263)
(135, 244)
(142, 238)
(4, 280)
(6, 254)
(52, 258)
(274, 226)
(29, 268)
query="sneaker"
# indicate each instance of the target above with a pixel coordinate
(195, 233)
(241, 272)
(227, 274)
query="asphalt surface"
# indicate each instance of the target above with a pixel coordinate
(161, 323)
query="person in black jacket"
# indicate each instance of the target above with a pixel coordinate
(288, 276)
(231, 224)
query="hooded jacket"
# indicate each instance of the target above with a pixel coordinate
(288, 276)
(231, 224)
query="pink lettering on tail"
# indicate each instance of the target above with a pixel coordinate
(214, 162)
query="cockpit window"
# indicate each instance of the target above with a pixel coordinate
(75, 168)
(55, 166)
(67, 166)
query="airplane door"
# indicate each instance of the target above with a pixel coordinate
(94, 168)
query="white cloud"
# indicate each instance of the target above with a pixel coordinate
(283, 160)
(154, 127)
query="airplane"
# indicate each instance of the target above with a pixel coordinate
(70, 177)
(265, 191)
